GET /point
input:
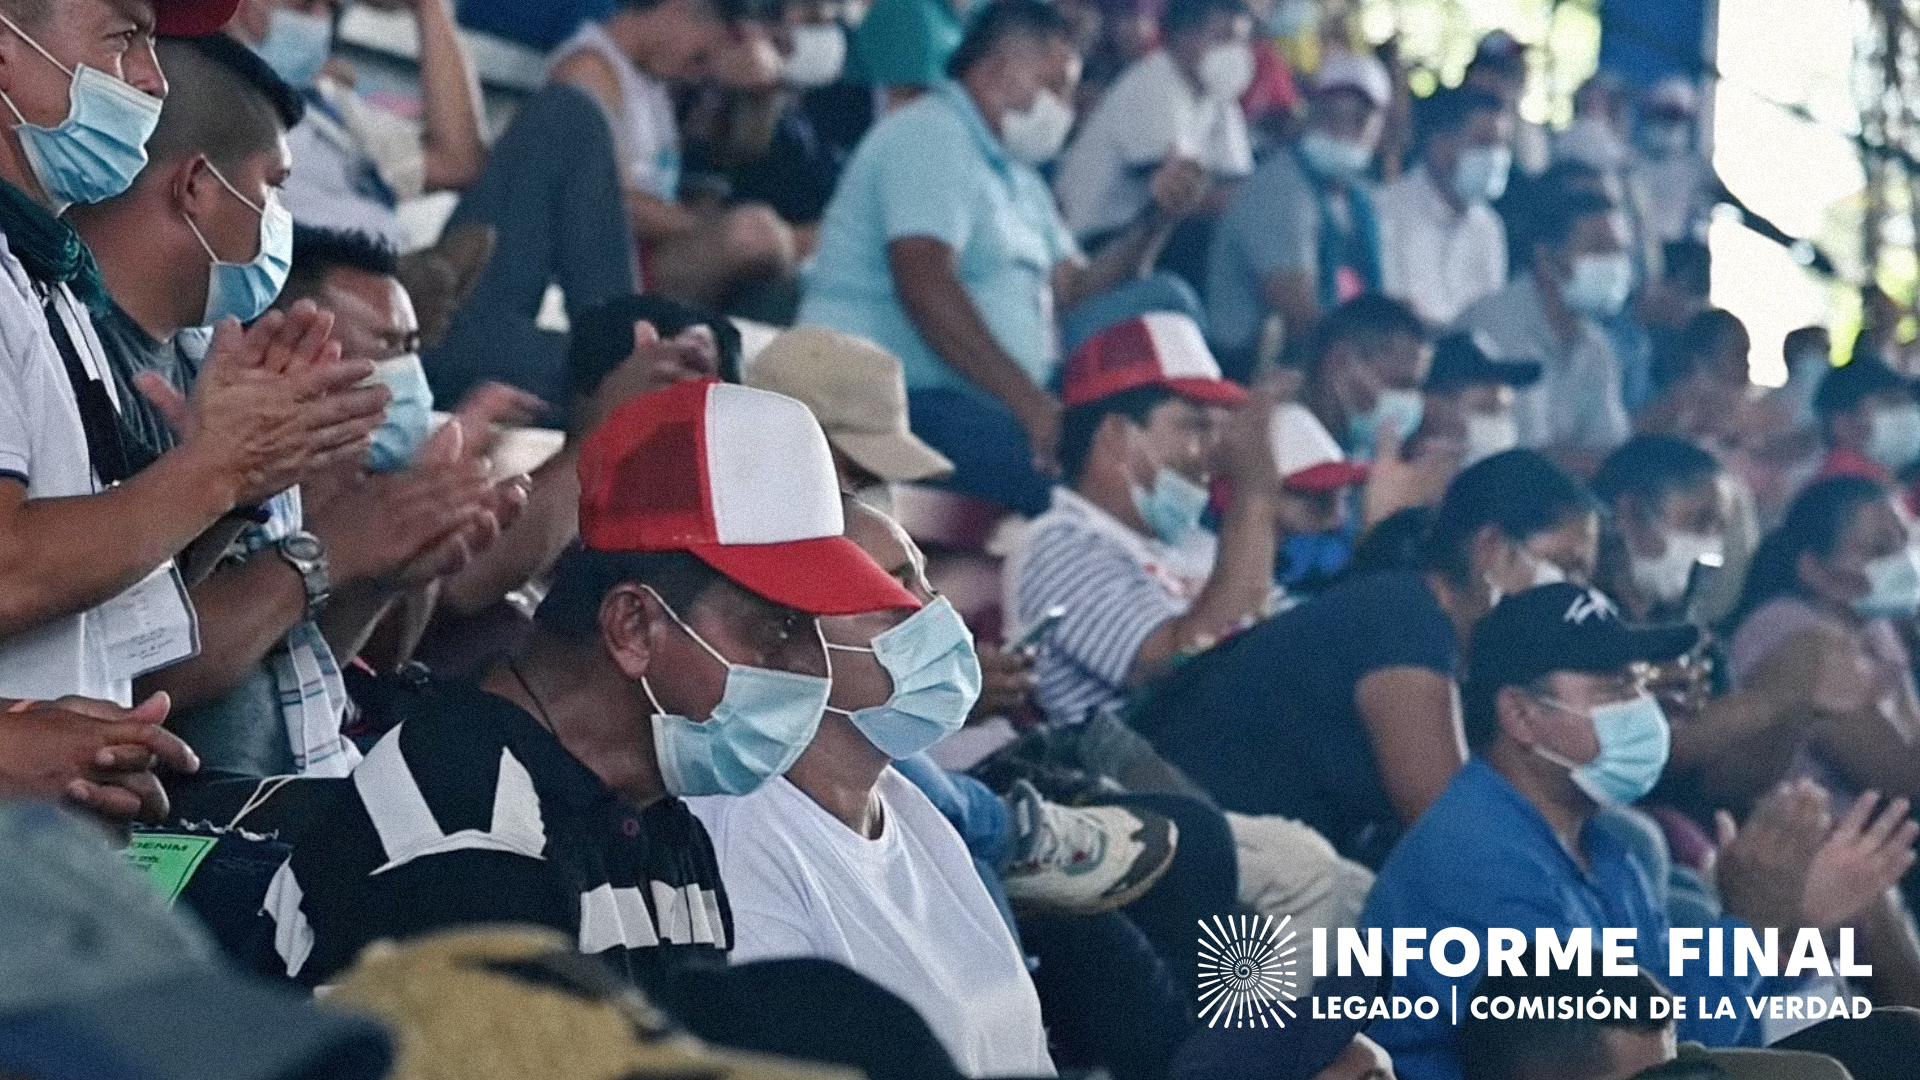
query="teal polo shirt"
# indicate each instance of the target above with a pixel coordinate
(934, 169)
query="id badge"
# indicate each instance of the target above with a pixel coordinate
(150, 626)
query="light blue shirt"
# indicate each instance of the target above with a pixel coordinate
(934, 169)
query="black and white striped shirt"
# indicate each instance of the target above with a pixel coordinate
(471, 812)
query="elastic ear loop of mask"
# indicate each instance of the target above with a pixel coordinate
(37, 47)
(244, 201)
(715, 653)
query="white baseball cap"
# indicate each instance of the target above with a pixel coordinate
(1309, 459)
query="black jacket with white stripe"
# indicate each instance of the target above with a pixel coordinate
(471, 812)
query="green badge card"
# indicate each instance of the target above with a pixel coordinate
(169, 859)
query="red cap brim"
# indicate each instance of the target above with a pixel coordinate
(192, 18)
(1327, 476)
(825, 576)
(1211, 391)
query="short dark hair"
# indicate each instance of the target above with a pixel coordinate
(1521, 493)
(1513, 1048)
(317, 253)
(1081, 423)
(1846, 387)
(1699, 340)
(224, 102)
(1648, 468)
(1369, 315)
(1562, 211)
(1188, 16)
(1002, 19)
(583, 577)
(601, 338)
(1448, 111)
(1815, 524)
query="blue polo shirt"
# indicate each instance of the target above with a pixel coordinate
(934, 169)
(1482, 856)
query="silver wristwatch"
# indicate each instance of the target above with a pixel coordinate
(308, 557)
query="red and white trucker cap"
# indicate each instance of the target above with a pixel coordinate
(192, 18)
(1161, 348)
(1307, 456)
(741, 479)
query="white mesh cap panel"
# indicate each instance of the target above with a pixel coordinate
(1300, 441)
(768, 468)
(1183, 352)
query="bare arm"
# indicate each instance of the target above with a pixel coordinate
(450, 91)
(60, 556)
(1412, 716)
(1237, 591)
(1294, 296)
(528, 547)
(244, 612)
(651, 218)
(926, 275)
(1179, 188)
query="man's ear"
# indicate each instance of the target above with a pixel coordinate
(1513, 708)
(188, 179)
(630, 619)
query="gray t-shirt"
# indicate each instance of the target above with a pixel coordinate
(1272, 227)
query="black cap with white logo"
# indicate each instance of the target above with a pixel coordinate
(1564, 628)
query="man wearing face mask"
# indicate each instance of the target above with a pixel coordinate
(94, 518)
(1579, 274)
(1677, 182)
(677, 655)
(201, 237)
(943, 246)
(1469, 397)
(1869, 421)
(1176, 110)
(1441, 245)
(843, 858)
(1562, 728)
(1301, 237)
(353, 161)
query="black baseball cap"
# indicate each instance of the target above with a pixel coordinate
(1459, 361)
(1564, 627)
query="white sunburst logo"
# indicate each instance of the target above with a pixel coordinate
(1247, 971)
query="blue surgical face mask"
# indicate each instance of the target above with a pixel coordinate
(1172, 509)
(936, 680)
(1401, 410)
(1894, 582)
(1480, 175)
(102, 144)
(1335, 159)
(245, 290)
(297, 46)
(763, 723)
(1893, 440)
(1634, 740)
(1600, 284)
(409, 420)
(1289, 17)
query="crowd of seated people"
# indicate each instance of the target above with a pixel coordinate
(861, 536)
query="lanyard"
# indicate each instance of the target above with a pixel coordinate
(106, 438)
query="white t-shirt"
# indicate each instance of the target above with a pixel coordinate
(353, 163)
(1435, 258)
(43, 444)
(1150, 113)
(907, 910)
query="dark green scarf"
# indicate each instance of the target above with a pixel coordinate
(49, 248)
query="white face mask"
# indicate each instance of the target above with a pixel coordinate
(1894, 436)
(1035, 135)
(819, 54)
(1544, 573)
(1666, 578)
(1489, 434)
(1227, 70)
(1480, 175)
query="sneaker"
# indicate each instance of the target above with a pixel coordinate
(1082, 860)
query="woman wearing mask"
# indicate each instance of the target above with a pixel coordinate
(1840, 572)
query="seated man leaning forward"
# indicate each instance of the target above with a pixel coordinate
(677, 655)
(844, 858)
(1563, 727)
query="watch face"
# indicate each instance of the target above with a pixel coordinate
(303, 547)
